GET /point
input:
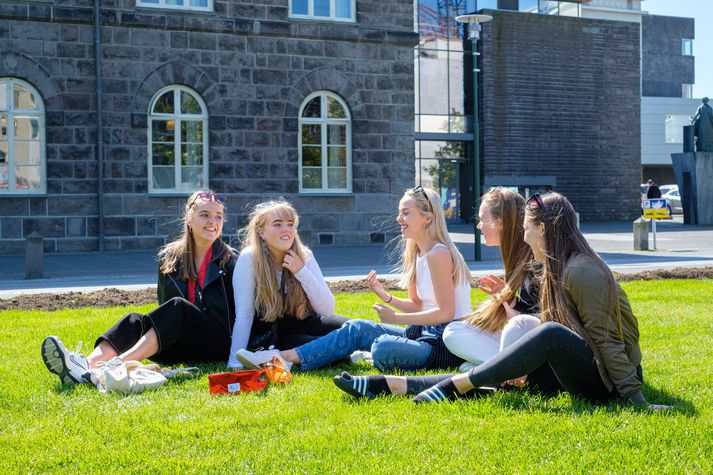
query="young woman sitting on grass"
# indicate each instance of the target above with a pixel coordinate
(195, 316)
(438, 291)
(281, 297)
(588, 344)
(512, 310)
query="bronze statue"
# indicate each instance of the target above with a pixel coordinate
(703, 127)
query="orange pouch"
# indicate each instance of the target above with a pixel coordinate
(237, 382)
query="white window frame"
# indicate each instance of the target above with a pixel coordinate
(12, 113)
(177, 118)
(323, 121)
(162, 5)
(332, 9)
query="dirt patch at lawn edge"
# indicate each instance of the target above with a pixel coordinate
(116, 297)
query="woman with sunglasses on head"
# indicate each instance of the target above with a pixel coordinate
(512, 310)
(438, 284)
(195, 317)
(588, 343)
(281, 297)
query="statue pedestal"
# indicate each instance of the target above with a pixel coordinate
(694, 175)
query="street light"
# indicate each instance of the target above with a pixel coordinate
(474, 20)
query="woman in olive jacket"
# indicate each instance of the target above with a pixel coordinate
(196, 312)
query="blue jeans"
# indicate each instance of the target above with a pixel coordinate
(389, 348)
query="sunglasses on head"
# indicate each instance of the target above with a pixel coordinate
(494, 192)
(208, 196)
(419, 189)
(535, 201)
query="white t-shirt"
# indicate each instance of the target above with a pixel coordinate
(310, 277)
(424, 287)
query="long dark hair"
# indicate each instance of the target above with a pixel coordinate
(563, 240)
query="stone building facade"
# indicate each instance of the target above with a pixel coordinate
(249, 71)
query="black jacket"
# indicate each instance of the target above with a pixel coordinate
(217, 298)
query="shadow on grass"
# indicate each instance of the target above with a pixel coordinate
(526, 400)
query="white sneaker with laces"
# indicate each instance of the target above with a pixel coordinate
(71, 367)
(257, 359)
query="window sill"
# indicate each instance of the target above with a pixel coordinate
(322, 19)
(157, 9)
(327, 194)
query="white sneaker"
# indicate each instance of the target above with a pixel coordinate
(360, 355)
(257, 359)
(467, 366)
(71, 367)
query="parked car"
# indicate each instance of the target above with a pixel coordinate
(673, 197)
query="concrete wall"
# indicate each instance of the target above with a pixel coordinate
(654, 149)
(253, 66)
(561, 106)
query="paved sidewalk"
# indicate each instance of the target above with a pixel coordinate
(678, 246)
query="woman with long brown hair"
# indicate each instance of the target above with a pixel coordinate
(511, 311)
(195, 317)
(588, 344)
(281, 297)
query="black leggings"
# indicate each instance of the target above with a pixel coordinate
(185, 333)
(554, 358)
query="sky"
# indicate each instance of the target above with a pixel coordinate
(702, 11)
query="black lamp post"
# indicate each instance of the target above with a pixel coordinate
(474, 20)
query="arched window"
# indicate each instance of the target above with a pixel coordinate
(22, 138)
(178, 141)
(325, 144)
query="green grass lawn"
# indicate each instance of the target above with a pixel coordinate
(309, 426)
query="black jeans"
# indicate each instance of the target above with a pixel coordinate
(290, 332)
(554, 357)
(185, 333)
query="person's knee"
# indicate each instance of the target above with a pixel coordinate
(357, 326)
(381, 352)
(551, 331)
(455, 329)
(523, 321)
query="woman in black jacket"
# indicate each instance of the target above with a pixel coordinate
(195, 318)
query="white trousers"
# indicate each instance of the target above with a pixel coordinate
(475, 345)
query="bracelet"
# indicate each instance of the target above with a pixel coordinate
(391, 297)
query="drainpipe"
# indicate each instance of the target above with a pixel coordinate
(100, 128)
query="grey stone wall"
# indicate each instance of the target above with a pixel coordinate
(663, 68)
(253, 66)
(560, 106)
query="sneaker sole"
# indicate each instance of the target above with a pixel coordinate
(246, 362)
(345, 386)
(53, 356)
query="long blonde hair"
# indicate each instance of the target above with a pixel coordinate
(563, 240)
(178, 255)
(509, 207)
(270, 301)
(429, 204)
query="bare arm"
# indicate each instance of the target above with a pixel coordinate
(441, 268)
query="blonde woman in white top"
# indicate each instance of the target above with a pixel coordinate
(438, 284)
(281, 298)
